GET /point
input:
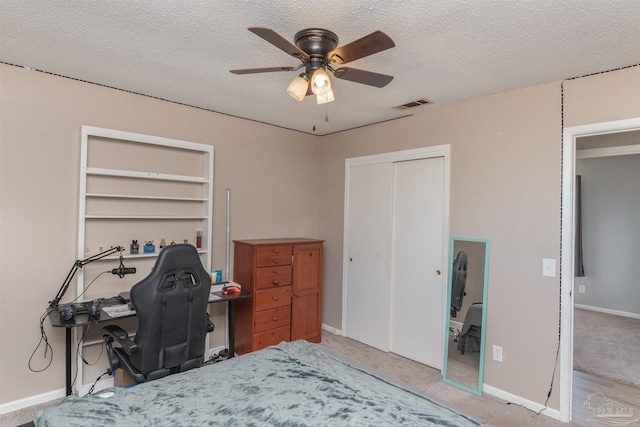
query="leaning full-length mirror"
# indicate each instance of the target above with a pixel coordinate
(467, 296)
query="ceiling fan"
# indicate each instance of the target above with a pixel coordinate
(318, 51)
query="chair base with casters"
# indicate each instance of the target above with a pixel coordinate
(171, 306)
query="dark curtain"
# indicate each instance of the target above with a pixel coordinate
(579, 266)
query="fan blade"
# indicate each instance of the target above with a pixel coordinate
(367, 45)
(280, 42)
(364, 77)
(261, 70)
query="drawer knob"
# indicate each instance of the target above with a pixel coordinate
(275, 298)
(275, 283)
(275, 261)
(276, 272)
(274, 318)
(276, 251)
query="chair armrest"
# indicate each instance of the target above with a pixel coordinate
(120, 335)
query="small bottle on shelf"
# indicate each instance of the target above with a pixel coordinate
(199, 239)
(149, 247)
(135, 248)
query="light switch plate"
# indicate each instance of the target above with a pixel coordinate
(548, 267)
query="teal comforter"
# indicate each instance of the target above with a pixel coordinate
(291, 384)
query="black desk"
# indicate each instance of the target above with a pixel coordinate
(82, 320)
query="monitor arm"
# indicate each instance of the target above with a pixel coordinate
(76, 265)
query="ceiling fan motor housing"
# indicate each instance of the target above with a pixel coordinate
(317, 43)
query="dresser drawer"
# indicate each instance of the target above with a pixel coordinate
(273, 260)
(274, 255)
(272, 298)
(269, 277)
(273, 318)
(271, 337)
(276, 250)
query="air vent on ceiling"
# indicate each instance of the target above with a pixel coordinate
(413, 104)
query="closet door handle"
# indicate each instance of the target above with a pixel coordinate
(438, 272)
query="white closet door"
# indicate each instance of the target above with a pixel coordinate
(417, 280)
(368, 258)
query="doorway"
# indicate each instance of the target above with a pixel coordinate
(568, 237)
(396, 238)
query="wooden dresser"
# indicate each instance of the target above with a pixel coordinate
(285, 279)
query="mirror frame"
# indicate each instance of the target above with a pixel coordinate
(478, 389)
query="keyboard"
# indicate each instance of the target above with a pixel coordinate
(119, 310)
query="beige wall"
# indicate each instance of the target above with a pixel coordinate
(505, 187)
(272, 173)
(602, 97)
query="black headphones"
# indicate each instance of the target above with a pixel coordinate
(68, 312)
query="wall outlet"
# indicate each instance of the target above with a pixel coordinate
(213, 352)
(582, 289)
(497, 353)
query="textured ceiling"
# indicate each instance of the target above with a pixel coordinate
(446, 51)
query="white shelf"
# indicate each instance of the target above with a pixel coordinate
(149, 217)
(146, 175)
(142, 255)
(141, 197)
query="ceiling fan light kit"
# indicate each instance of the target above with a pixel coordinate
(317, 49)
(327, 97)
(320, 83)
(298, 87)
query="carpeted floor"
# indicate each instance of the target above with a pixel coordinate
(423, 379)
(607, 346)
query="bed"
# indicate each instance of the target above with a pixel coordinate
(291, 384)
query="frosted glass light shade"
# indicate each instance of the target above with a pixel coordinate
(327, 97)
(298, 87)
(320, 83)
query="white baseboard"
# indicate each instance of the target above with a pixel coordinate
(518, 400)
(16, 405)
(334, 331)
(608, 311)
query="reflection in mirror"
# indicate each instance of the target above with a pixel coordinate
(467, 295)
